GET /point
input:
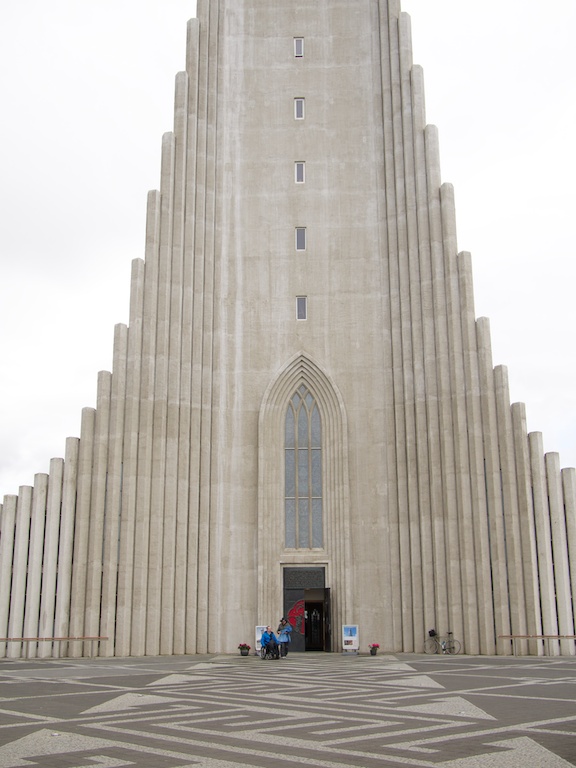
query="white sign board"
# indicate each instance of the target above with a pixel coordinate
(350, 637)
(258, 637)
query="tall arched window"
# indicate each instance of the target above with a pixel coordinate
(303, 472)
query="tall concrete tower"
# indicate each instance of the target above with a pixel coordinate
(303, 418)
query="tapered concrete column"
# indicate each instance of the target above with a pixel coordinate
(173, 558)
(569, 495)
(448, 593)
(418, 457)
(494, 482)
(35, 561)
(460, 427)
(19, 569)
(188, 510)
(7, 534)
(543, 540)
(81, 530)
(160, 505)
(119, 613)
(562, 585)
(527, 524)
(50, 562)
(66, 547)
(98, 493)
(404, 373)
(484, 572)
(135, 534)
(207, 627)
(111, 533)
(389, 8)
(431, 508)
(446, 527)
(390, 238)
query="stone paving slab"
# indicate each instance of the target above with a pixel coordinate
(322, 710)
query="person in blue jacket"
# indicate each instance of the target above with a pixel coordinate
(284, 630)
(268, 640)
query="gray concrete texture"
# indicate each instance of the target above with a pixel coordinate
(324, 710)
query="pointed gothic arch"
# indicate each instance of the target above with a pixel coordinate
(273, 554)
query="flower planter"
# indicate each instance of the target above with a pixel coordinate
(244, 651)
(373, 651)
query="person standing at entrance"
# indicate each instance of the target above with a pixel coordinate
(283, 632)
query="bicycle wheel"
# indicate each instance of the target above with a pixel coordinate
(453, 647)
(431, 646)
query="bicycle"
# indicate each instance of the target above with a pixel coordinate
(437, 644)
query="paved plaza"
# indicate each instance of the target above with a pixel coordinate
(314, 709)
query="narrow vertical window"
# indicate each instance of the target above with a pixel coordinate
(300, 172)
(303, 527)
(298, 47)
(300, 238)
(299, 109)
(301, 308)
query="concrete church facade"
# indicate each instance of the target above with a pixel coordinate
(303, 417)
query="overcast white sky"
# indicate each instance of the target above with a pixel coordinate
(86, 94)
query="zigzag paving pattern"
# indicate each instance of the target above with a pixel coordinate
(322, 710)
